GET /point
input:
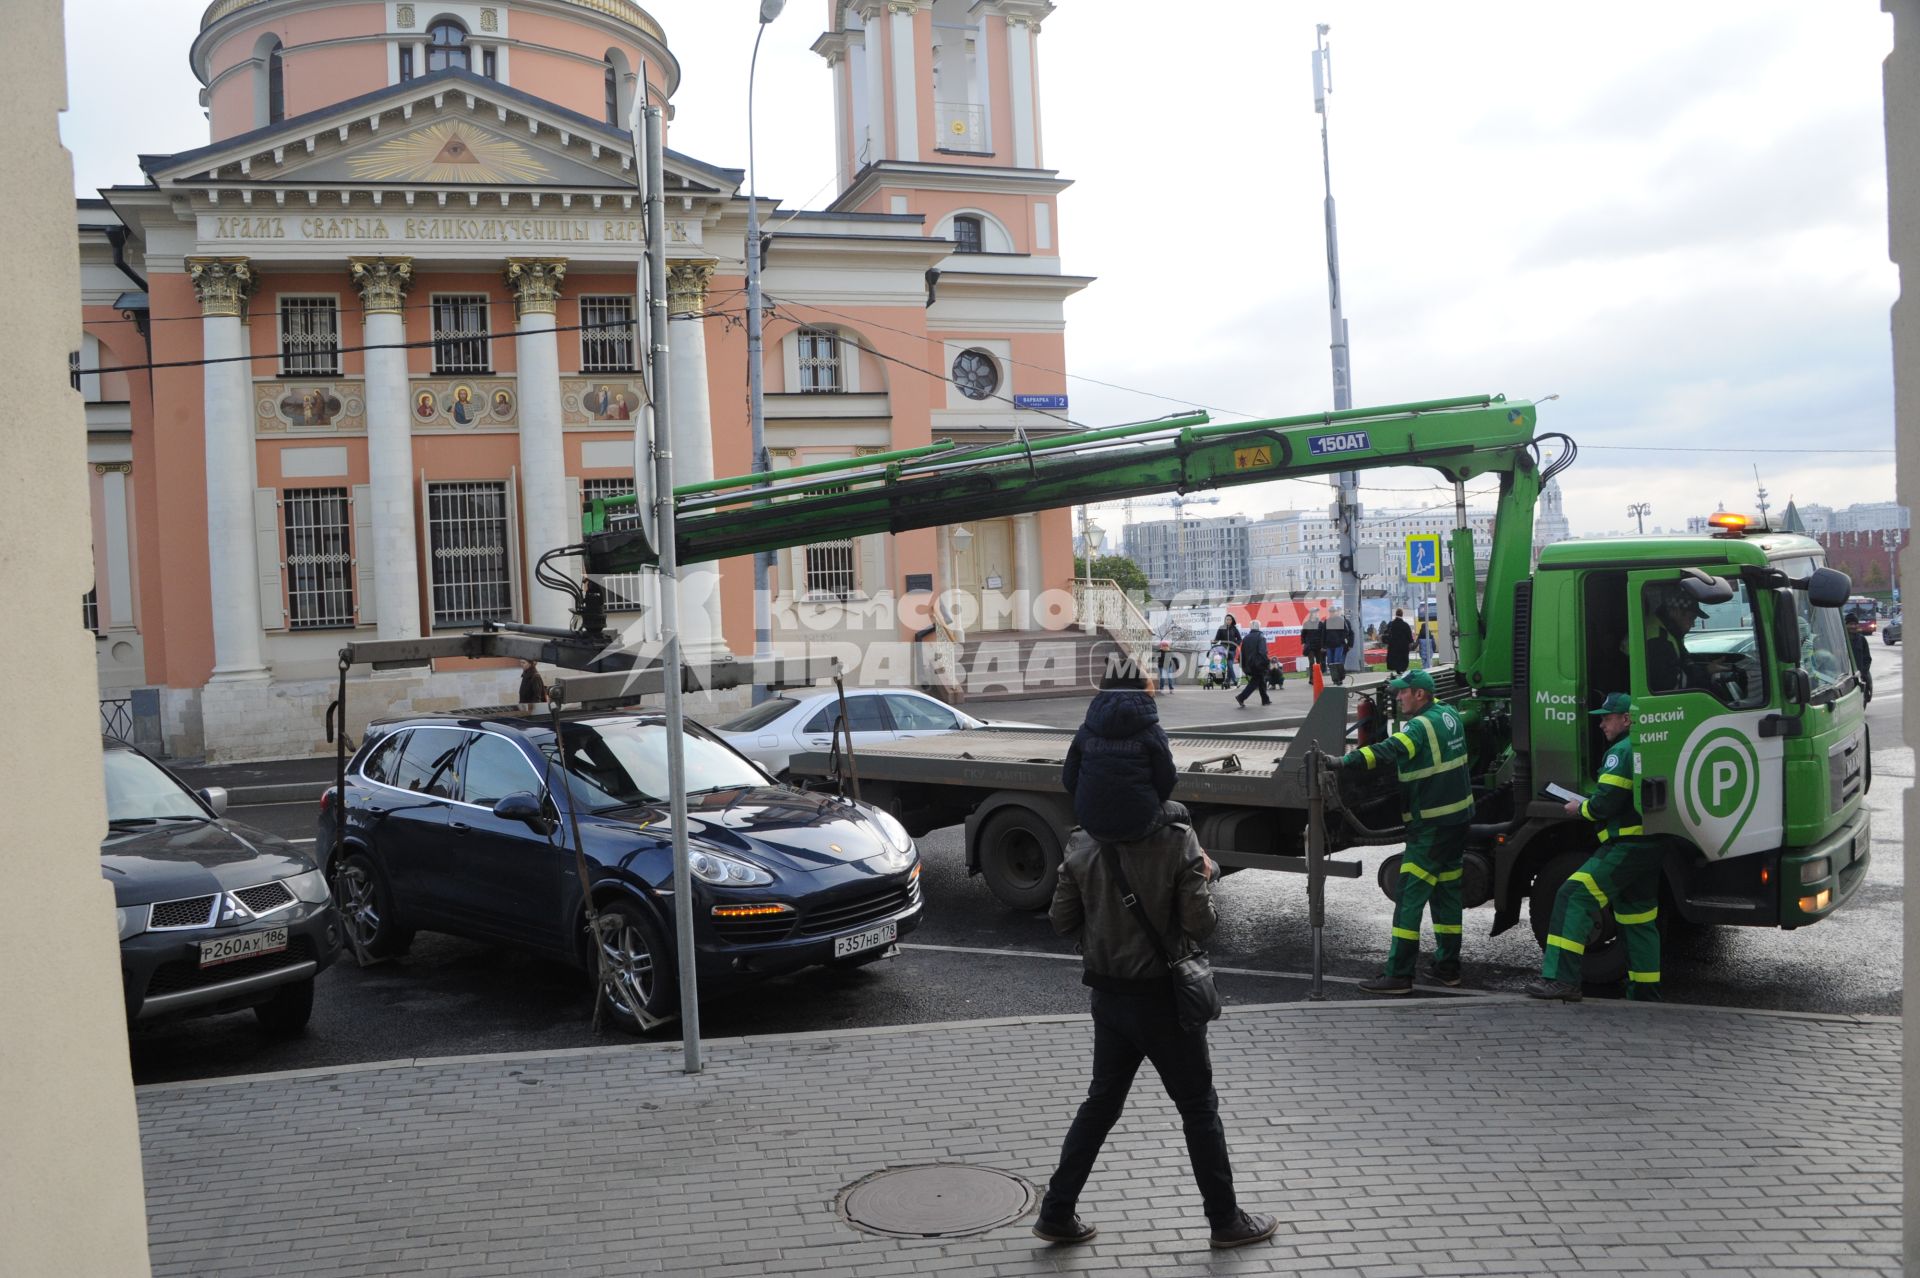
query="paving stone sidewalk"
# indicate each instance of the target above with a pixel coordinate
(1489, 1136)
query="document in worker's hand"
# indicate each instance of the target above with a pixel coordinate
(1561, 793)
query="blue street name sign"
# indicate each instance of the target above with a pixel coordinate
(1039, 401)
(1350, 441)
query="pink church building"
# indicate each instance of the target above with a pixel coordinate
(454, 183)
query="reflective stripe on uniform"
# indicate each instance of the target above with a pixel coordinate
(1437, 768)
(1581, 876)
(1404, 740)
(1366, 752)
(1644, 978)
(1404, 934)
(1446, 808)
(1625, 783)
(1408, 867)
(1447, 929)
(1585, 810)
(1562, 943)
(1646, 916)
(1433, 738)
(1448, 876)
(1625, 830)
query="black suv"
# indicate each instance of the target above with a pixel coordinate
(465, 825)
(214, 916)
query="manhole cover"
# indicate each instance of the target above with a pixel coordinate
(942, 1200)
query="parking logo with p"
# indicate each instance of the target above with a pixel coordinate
(1720, 773)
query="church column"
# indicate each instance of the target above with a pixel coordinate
(543, 456)
(906, 92)
(223, 284)
(383, 284)
(691, 431)
(1020, 32)
(1026, 567)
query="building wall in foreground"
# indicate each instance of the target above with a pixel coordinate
(71, 1197)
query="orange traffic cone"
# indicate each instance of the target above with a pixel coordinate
(1318, 680)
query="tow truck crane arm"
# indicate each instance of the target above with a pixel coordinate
(944, 484)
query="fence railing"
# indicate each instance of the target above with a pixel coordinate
(1100, 604)
(116, 718)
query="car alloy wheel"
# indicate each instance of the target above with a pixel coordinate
(638, 980)
(365, 910)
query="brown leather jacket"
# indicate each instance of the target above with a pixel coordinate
(1167, 869)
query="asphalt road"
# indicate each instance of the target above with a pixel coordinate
(974, 958)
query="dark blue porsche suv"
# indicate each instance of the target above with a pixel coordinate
(465, 825)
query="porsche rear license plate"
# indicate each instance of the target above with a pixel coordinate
(860, 942)
(242, 945)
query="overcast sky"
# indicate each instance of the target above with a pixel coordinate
(1672, 216)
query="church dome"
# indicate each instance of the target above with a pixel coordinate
(262, 61)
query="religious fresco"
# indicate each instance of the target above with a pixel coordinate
(450, 151)
(287, 407)
(599, 401)
(463, 404)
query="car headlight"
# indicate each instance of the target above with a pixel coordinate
(311, 887)
(724, 871)
(132, 919)
(896, 834)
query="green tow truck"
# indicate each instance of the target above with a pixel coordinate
(1753, 756)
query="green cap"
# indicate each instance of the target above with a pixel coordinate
(1616, 703)
(1413, 679)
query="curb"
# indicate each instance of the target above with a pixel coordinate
(249, 796)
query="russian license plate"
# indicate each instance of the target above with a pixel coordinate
(242, 945)
(860, 942)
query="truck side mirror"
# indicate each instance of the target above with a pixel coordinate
(1796, 687)
(1828, 588)
(1705, 587)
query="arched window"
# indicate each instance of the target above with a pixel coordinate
(613, 94)
(617, 78)
(276, 85)
(969, 234)
(446, 45)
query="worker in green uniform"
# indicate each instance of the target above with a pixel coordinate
(1430, 755)
(1622, 874)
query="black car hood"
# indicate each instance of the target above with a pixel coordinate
(772, 825)
(176, 859)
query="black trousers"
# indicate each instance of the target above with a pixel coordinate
(1129, 1028)
(1256, 682)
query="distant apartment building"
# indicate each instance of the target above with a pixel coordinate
(1181, 556)
(1861, 517)
(1298, 551)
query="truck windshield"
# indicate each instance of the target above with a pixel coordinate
(1823, 636)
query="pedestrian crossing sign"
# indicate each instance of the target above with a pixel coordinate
(1423, 557)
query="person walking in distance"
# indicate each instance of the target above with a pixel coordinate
(1129, 833)
(533, 689)
(1399, 640)
(1229, 634)
(1166, 664)
(1430, 754)
(1623, 872)
(1423, 639)
(1340, 636)
(1254, 659)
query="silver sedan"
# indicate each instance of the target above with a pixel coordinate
(772, 732)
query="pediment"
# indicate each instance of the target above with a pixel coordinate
(450, 129)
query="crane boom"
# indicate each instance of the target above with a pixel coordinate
(944, 484)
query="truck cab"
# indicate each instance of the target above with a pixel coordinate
(1749, 723)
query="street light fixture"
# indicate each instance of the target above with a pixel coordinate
(1640, 510)
(1096, 538)
(756, 390)
(961, 537)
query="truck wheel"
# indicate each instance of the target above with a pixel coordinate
(1388, 876)
(1606, 958)
(1020, 857)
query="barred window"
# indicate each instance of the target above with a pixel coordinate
(623, 590)
(460, 334)
(819, 362)
(967, 234)
(606, 334)
(309, 337)
(319, 560)
(472, 576)
(90, 609)
(830, 569)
